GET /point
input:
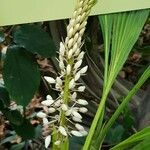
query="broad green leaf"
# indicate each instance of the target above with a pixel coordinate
(21, 75)
(14, 116)
(120, 37)
(2, 36)
(26, 130)
(145, 145)
(34, 39)
(137, 137)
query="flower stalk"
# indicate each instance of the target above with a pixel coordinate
(67, 107)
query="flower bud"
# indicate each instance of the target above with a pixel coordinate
(59, 81)
(64, 107)
(81, 88)
(81, 55)
(70, 53)
(76, 119)
(77, 64)
(68, 69)
(76, 133)
(84, 70)
(45, 121)
(70, 32)
(82, 102)
(83, 110)
(79, 127)
(76, 114)
(51, 110)
(62, 131)
(47, 102)
(41, 115)
(71, 84)
(49, 79)
(77, 76)
(48, 97)
(47, 141)
(70, 43)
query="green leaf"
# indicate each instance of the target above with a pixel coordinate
(26, 130)
(137, 137)
(34, 39)
(2, 37)
(14, 116)
(21, 75)
(4, 98)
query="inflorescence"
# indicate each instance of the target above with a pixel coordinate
(64, 113)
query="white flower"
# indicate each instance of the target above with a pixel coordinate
(47, 102)
(47, 141)
(77, 64)
(81, 88)
(62, 131)
(41, 115)
(49, 79)
(83, 110)
(64, 107)
(68, 69)
(79, 127)
(76, 119)
(71, 84)
(76, 114)
(82, 102)
(57, 142)
(51, 110)
(84, 70)
(45, 121)
(76, 133)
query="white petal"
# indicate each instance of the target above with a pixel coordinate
(62, 130)
(47, 141)
(49, 79)
(83, 110)
(41, 115)
(82, 102)
(77, 51)
(68, 112)
(79, 127)
(76, 133)
(47, 102)
(61, 65)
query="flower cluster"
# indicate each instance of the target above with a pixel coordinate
(64, 113)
